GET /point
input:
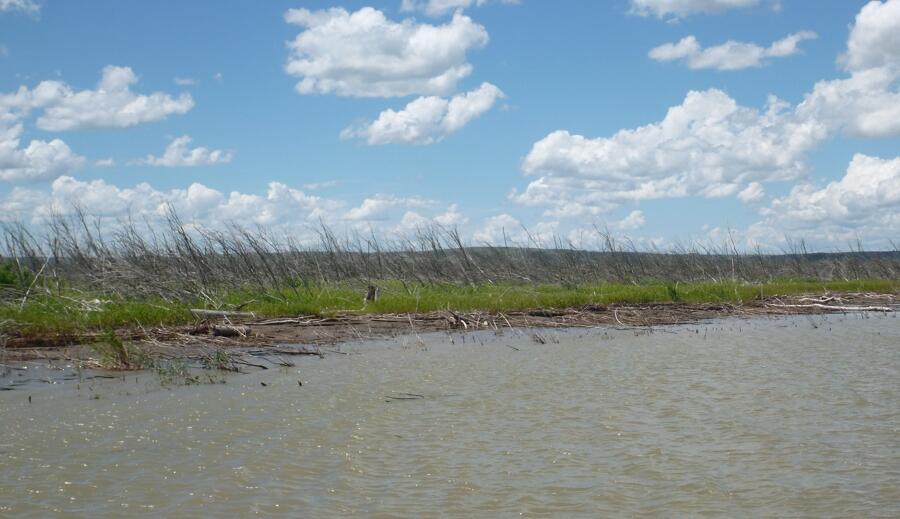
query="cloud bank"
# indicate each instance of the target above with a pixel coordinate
(711, 146)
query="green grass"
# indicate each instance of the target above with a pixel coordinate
(43, 315)
(54, 315)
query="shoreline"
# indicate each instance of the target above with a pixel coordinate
(233, 333)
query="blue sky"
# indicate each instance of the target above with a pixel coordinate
(554, 117)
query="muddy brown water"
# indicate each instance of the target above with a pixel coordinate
(787, 417)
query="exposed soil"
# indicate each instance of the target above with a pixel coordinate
(315, 331)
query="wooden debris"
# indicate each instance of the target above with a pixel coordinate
(230, 331)
(206, 314)
(834, 308)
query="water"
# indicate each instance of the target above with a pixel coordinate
(794, 417)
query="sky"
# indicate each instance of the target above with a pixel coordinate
(761, 122)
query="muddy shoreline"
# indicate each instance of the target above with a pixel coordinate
(314, 332)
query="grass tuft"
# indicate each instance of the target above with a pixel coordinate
(114, 354)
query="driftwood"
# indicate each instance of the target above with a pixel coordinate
(277, 322)
(837, 308)
(222, 313)
(230, 331)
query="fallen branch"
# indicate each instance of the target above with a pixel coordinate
(616, 315)
(837, 308)
(276, 322)
(221, 313)
(823, 299)
(230, 331)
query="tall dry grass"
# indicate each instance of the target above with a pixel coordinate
(175, 261)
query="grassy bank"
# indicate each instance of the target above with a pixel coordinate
(70, 311)
(68, 277)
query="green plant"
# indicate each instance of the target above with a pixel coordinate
(218, 360)
(672, 290)
(174, 372)
(116, 355)
(11, 275)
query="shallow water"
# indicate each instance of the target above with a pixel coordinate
(794, 417)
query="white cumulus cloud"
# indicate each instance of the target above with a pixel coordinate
(683, 8)
(61, 108)
(710, 146)
(25, 6)
(442, 7)
(634, 220)
(111, 105)
(497, 229)
(707, 146)
(875, 39)
(40, 159)
(413, 220)
(365, 54)
(504, 229)
(281, 206)
(754, 192)
(377, 207)
(179, 154)
(864, 203)
(866, 104)
(731, 55)
(427, 119)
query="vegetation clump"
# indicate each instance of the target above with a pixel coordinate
(114, 354)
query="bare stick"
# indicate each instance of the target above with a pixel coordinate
(837, 308)
(33, 281)
(221, 313)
